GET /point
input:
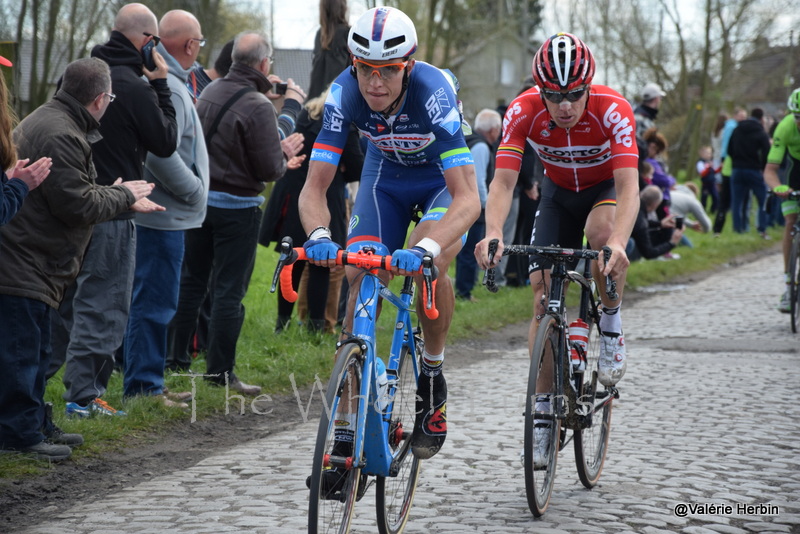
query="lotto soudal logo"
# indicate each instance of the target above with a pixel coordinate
(622, 128)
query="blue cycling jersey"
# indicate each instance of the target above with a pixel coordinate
(425, 131)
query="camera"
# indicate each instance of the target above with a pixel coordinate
(280, 88)
(679, 223)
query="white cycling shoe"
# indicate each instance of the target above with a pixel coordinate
(612, 364)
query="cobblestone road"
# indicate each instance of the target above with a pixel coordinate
(709, 414)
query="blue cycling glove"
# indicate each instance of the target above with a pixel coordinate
(409, 259)
(321, 249)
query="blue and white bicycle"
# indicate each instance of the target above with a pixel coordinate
(375, 397)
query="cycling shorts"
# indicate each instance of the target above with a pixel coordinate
(790, 207)
(387, 198)
(561, 217)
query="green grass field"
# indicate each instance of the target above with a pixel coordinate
(276, 362)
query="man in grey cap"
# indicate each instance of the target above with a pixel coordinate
(646, 112)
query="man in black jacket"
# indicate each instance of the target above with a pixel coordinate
(245, 150)
(43, 247)
(748, 149)
(94, 313)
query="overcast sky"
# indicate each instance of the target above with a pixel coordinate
(297, 21)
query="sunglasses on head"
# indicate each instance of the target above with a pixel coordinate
(386, 71)
(556, 97)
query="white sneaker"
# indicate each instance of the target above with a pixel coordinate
(541, 444)
(611, 366)
(785, 305)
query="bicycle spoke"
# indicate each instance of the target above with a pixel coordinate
(334, 483)
(542, 429)
(395, 493)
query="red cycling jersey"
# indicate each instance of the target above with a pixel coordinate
(578, 157)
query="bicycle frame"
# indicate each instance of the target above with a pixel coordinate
(372, 448)
(372, 431)
(565, 403)
(566, 406)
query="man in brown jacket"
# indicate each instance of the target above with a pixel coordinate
(245, 150)
(43, 246)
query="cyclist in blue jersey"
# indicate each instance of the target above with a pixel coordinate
(416, 156)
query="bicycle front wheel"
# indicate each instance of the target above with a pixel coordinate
(594, 406)
(334, 488)
(395, 493)
(542, 428)
(794, 280)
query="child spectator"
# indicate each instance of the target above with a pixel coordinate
(708, 178)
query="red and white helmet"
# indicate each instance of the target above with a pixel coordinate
(563, 62)
(382, 33)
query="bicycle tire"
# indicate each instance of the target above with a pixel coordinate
(395, 494)
(327, 515)
(539, 481)
(591, 440)
(794, 280)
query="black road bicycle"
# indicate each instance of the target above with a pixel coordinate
(578, 402)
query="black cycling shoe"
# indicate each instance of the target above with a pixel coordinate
(430, 425)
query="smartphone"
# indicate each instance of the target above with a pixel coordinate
(147, 56)
(679, 223)
(280, 88)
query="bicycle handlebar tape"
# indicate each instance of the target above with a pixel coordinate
(287, 290)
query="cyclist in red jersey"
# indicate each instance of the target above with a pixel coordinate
(585, 136)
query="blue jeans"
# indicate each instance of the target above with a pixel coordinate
(219, 257)
(466, 264)
(24, 359)
(156, 282)
(743, 181)
(91, 321)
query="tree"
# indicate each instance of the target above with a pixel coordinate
(448, 27)
(693, 57)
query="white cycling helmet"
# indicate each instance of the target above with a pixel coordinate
(382, 33)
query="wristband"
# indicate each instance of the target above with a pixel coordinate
(319, 232)
(430, 245)
(781, 189)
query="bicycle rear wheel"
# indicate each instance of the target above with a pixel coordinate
(794, 280)
(539, 478)
(334, 489)
(395, 494)
(594, 402)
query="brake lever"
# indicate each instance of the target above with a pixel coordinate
(429, 274)
(489, 274)
(288, 256)
(611, 284)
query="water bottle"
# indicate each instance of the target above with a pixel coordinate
(578, 335)
(382, 395)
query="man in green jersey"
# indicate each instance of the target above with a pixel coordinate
(786, 139)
